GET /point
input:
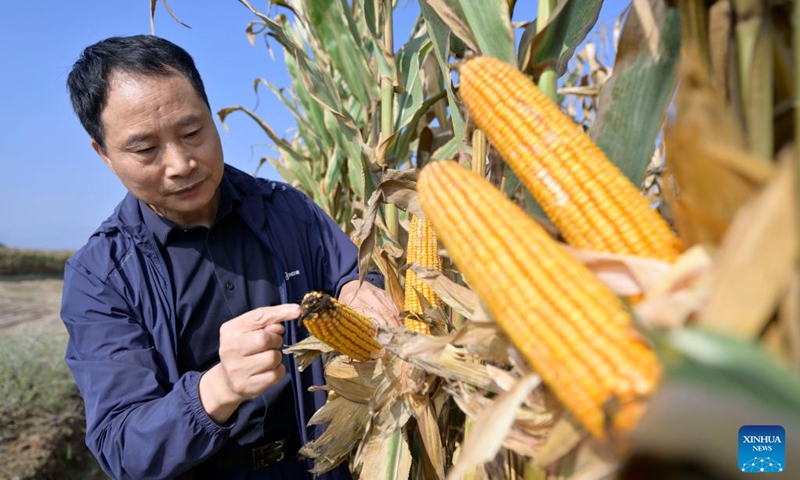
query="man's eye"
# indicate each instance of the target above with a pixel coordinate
(145, 150)
(193, 134)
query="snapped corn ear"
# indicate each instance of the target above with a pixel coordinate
(422, 249)
(589, 200)
(569, 326)
(339, 326)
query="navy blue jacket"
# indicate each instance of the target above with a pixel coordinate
(144, 420)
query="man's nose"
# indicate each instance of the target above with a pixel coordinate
(179, 160)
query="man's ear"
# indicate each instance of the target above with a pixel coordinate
(102, 154)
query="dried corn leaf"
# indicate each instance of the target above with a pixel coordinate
(565, 436)
(390, 406)
(356, 381)
(382, 258)
(347, 421)
(713, 172)
(375, 461)
(719, 35)
(461, 299)
(491, 427)
(626, 275)
(484, 339)
(594, 461)
(530, 429)
(423, 411)
(307, 351)
(756, 260)
(680, 293)
(437, 356)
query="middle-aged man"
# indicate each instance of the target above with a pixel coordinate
(179, 304)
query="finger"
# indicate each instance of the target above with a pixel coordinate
(277, 313)
(269, 378)
(276, 328)
(263, 362)
(256, 383)
(261, 317)
(250, 343)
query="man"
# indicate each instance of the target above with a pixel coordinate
(179, 304)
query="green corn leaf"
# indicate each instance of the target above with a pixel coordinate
(554, 46)
(310, 137)
(331, 29)
(634, 100)
(300, 166)
(333, 175)
(312, 109)
(440, 36)
(447, 151)
(410, 59)
(483, 24)
(371, 15)
(399, 143)
(712, 386)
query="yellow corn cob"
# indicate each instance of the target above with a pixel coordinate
(414, 322)
(423, 249)
(572, 329)
(590, 201)
(339, 326)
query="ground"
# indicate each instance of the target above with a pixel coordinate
(35, 444)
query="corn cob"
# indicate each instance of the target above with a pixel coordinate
(339, 326)
(571, 329)
(589, 200)
(414, 322)
(423, 249)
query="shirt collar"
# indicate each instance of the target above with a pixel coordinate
(230, 200)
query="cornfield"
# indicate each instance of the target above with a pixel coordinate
(597, 261)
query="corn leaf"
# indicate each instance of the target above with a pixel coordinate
(409, 60)
(312, 109)
(491, 427)
(439, 33)
(371, 14)
(713, 385)
(633, 101)
(295, 162)
(484, 25)
(554, 46)
(309, 134)
(756, 260)
(331, 28)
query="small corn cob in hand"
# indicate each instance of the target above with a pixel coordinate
(423, 249)
(589, 200)
(570, 328)
(339, 326)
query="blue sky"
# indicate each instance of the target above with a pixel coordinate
(54, 190)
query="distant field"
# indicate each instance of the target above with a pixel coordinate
(17, 261)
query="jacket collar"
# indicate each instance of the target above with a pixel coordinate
(127, 216)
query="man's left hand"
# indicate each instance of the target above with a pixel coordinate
(371, 301)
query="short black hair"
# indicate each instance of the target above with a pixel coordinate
(88, 82)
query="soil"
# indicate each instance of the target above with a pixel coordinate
(33, 444)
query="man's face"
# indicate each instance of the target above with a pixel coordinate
(162, 143)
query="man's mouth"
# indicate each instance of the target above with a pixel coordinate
(188, 190)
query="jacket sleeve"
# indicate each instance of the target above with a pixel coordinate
(338, 255)
(139, 425)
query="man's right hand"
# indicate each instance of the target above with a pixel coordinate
(250, 360)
